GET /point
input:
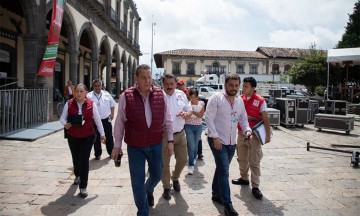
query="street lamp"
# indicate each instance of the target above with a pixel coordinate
(152, 43)
(273, 67)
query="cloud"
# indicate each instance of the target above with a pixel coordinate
(241, 24)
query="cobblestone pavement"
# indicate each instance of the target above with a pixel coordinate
(36, 179)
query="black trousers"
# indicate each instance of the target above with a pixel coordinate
(199, 152)
(109, 139)
(80, 151)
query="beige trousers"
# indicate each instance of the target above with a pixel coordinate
(249, 155)
(180, 153)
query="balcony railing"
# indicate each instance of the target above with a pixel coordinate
(113, 15)
(129, 36)
(123, 27)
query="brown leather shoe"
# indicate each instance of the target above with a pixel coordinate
(166, 194)
(176, 186)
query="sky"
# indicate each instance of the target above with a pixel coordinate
(241, 25)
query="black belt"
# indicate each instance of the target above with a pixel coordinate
(179, 132)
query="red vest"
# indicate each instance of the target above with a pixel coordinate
(87, 129)
(252, 107)
(137, 132)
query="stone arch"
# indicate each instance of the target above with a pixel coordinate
(89, 29)
(104, 43)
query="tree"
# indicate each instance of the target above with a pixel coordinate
(351, 37)
(310, 69)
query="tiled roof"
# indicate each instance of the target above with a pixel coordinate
(200, 53)
(282, 52)
(212, 53)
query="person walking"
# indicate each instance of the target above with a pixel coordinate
(223, 112)
(249, 152)
(106, 106)
(193, 127)
(78, 118)
(143, 116)
(180, 110)
(69, 90)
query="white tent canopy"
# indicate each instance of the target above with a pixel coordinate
(340, 56)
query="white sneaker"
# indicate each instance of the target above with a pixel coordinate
(83, 192)
(190, 170)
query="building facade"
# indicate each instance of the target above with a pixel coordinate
(98, 39)
(264, 64)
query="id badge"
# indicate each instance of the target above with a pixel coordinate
(233, 117)
(98, 103)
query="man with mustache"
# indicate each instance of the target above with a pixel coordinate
(180, 109)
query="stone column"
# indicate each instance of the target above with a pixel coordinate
(30, 59)
(95, 67)
(74, 61)
(108, 75)
(118, 85)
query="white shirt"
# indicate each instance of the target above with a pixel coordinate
(222, 117)
(96, 117)
(178, 102)
(70, 90)
(104, 102)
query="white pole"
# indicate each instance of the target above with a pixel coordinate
(327, 83)
(152, 44)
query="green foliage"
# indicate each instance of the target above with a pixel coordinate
(320, 90)
(351, 37)
(310, 70)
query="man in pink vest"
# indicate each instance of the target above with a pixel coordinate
(249, 150)
(143, 116)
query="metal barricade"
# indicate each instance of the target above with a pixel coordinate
(22, 108)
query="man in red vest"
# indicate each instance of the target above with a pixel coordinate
(249, 150)
(143, 116)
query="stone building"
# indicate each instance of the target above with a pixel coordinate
(264, 64)
(98, 39)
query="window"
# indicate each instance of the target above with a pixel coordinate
(190, 68)
(176, 68)
(240, 69)
(215, 68)
(253, 69)
(275, 69)
(287, 68)
(222, 70)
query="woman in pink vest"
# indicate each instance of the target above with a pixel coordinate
(78, 119)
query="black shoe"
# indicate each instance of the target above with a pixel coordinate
(257, 193)
(176, 186)
(200, 157)
(240, 181)
(229, 210)
(150, 199)
(166, 194)
(97, 157)
(216, 198)
(83, 192)
(77, 180)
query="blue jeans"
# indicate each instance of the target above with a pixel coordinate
(137, 157)
(193, 135)
(220, 184)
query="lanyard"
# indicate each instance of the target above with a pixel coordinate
(80, 108)
(231, 103)
(100, 95)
